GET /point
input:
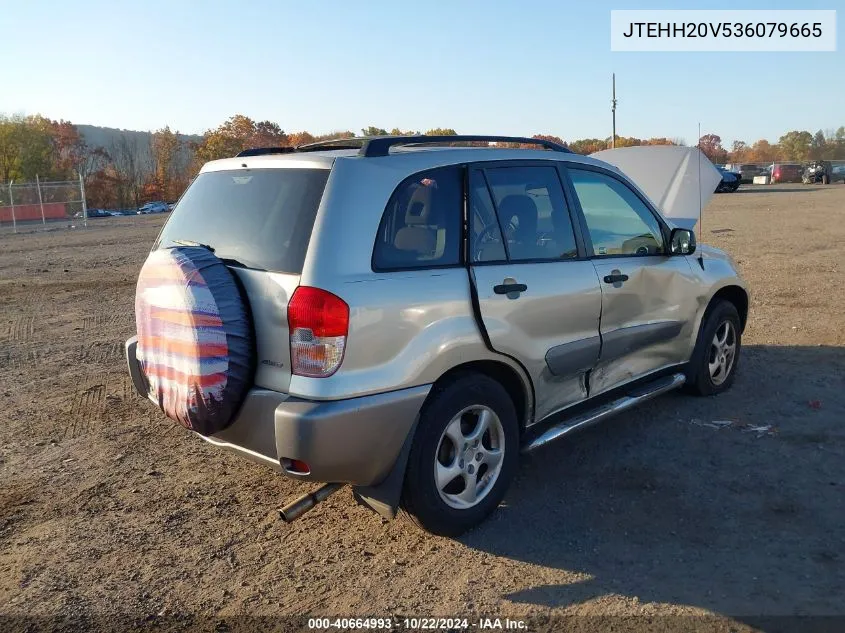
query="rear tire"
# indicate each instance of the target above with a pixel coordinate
(714, 361)
(467, 439)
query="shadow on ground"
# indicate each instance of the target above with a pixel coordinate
(774, 189)
(737, 519)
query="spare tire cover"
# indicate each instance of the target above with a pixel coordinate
(195, 340)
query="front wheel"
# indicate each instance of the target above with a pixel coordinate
(464, 456)
(715, 358)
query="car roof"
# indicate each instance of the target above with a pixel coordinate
(412, 157)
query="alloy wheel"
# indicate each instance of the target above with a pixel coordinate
(469, 457)
(722, 353)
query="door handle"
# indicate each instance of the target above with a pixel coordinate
(504, 289)
(615, 277)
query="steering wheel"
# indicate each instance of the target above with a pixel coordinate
(487, 236)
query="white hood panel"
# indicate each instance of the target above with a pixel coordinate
(678, 180)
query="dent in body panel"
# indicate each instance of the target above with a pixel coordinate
(561, 305)
(646, 321)
(574, 357)
(627, 340)
(714, 270)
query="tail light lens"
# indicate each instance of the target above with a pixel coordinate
(318, 322)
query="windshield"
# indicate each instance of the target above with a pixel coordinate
(259, 218)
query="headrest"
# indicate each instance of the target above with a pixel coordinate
(522, 208)
(419, 206)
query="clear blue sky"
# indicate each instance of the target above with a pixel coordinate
(479, 66)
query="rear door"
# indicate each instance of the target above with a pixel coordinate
(259, 222)
(538, 295)
(649, 299)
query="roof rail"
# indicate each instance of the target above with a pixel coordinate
(372, 146)
(380, 145)
(261, 151)
(355, 142)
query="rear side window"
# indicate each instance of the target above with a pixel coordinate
(421, 226)
(260, 218)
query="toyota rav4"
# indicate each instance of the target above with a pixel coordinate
(408, 316)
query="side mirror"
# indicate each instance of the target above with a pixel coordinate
(682, 242)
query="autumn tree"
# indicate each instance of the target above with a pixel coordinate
(300, 138)
(796, 145)
(739, 152)
(332, 136)
(373, 131)
(763, 152)
(25, 148)
(819, 146)
(169, 168)
(588, 146)
(661, 140)
(441, 131)
(267, 134)
(550, 137)
(711, 146)
(237, 134)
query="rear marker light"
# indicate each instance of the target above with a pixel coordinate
(318, 322)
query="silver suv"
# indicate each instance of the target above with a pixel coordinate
(407, 317)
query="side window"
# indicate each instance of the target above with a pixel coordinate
(618, 221)
(532, 213)
(421, 226)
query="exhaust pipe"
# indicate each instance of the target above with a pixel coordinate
(295, 509)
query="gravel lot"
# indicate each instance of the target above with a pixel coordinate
(108, 510)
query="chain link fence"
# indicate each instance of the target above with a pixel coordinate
(28, 205)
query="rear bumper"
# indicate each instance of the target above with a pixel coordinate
(356, 440)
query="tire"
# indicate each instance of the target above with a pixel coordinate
(460, 405)
(196, 345)
(825, 180)
(700, 376)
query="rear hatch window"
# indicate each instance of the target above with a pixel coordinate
(258, 218)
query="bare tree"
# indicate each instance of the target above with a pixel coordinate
(91, 160)
(130, 164)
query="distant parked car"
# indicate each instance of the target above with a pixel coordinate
(749, 171)
(837, 173)
(730, 181)
(786, 172)
(93, 213)
(154, 207)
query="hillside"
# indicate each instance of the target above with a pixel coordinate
(106, 137)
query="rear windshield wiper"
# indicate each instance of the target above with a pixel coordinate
(193, 243)
(226, 260)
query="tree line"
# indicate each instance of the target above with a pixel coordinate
(126, 173)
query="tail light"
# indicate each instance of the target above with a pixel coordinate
(318, 322)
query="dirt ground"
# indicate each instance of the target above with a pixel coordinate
(731, 507)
